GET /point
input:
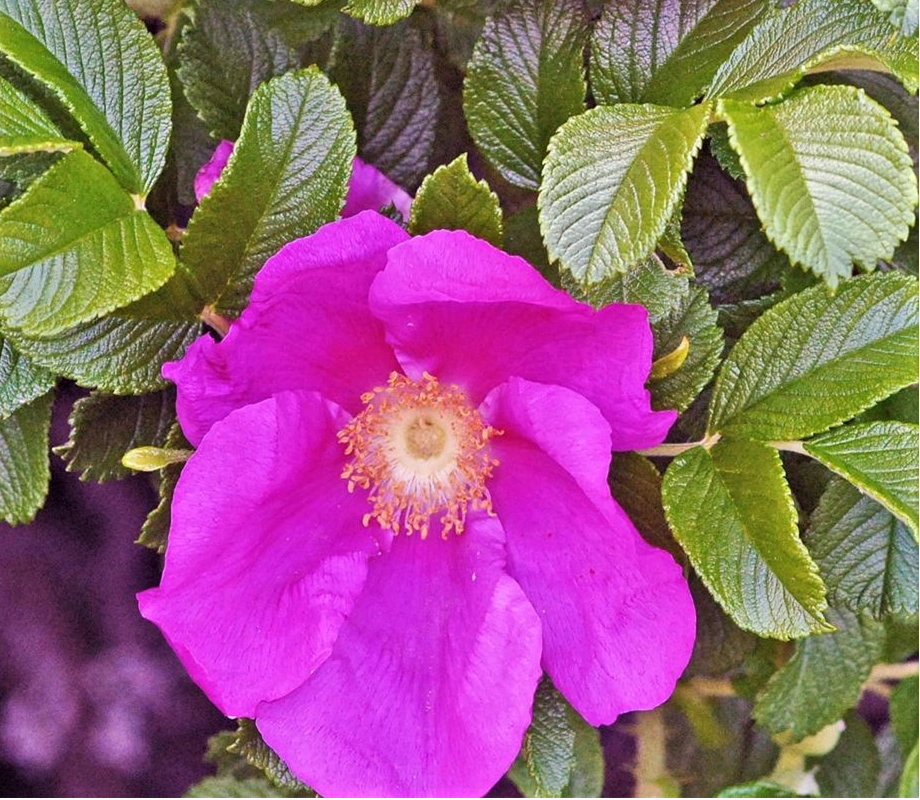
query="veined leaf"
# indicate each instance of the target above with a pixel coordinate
(868, 557)
(380, 12)
(810, 34)
(635, 484)
(731, 510)
(823, 679)
(525, 79)
(24, 472)
(853, 767)
(452, 199)
(561, 756)
(287, 176)
(64, 262)
(830, 175)
(611, 182)
(665, 51)
(103, 427)
(880, 459)
(901, 13)
(21, 380)
(388, 78)
(24, 127)
(113, 82)
(818, 359)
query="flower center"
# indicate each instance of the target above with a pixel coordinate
(420, 449)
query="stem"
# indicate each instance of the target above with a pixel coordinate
(791, 447)
(214, 320)
(894, 672)
(671, 450)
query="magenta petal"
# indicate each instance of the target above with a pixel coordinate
(266, 552)
(307, 327)
(210, 172)
(618, 620)
(370, 190)
(429, 688)
(447, 298)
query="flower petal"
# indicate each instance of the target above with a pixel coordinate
(618, 620)
(447, 298)
(370, 190)
(266, 552)
(307, 327)
(430, 686)
(207, 176)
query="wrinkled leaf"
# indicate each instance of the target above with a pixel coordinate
(612, 180)
(24, 471)
(21, 380)
(819, 358)
(732, 512)
(24, 127)
(380, 12)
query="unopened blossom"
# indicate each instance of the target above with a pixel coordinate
(368, 189)
(398, 517)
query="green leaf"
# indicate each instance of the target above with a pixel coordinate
(230, 786)
(24, 127)
(612, 179)
(103, 427)
(21, 380)
(731, 510)
(758, 789)
(525, 79)
(24, 472)
(903, 712)
(880, 459)
(731, 254)
(63, 263)
(901, 13)
(829, 174)
(635, 484)
(910, 778)
(452, 199)
(720, 645)
(252, 747)
(225, 52)
(811, 33)
(113, 82)
(388, 78)
(155, 530)
(867, 557)
(853, 767)
(824, 677)
(561, 756)
(380, 12)
(819, 358)
(648, 51)
(287, 176)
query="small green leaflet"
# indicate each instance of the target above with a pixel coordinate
(388, 78)
(880, 458)
(902, 710)
(758, 789)
(778, 52)
(287, 176)
(830, 175)
(612, 179)
(649, 51)
(910, 778)
(853, 767)
(114, 82)
(868, 558)
(155, 531)
(24, 471)
(561, 756)
(635, 484)
(103, 427)
(526, 77)
(824, 677)
(24, 127)
(380, 12)
(251, 746)
(21, 380)
(226, 51)
(452, 199)
(819, 358)
(732, 512)
(230, 786)
(82, 259)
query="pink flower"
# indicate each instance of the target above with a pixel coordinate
(398, 514)
(368, 190)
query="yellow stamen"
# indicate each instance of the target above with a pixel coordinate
(420, 449)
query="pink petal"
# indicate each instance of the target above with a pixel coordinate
(266, 552)
(470, 314)
(307, 327)
(210, 172)
(430, 686)
(618, 620)
(370, 190)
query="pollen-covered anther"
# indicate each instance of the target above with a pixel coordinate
(421, 451)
